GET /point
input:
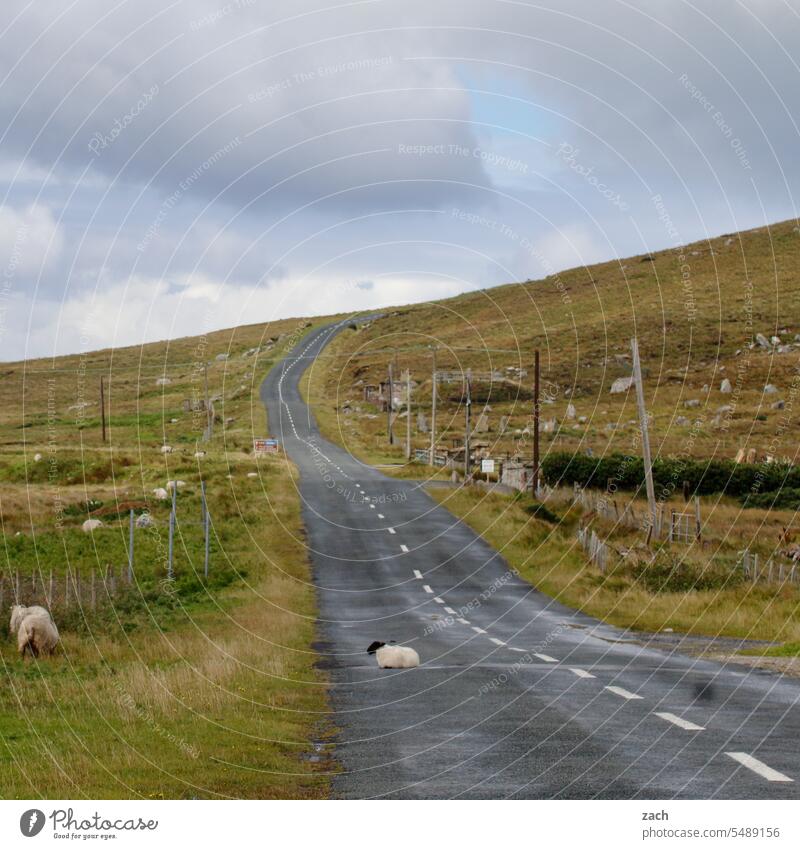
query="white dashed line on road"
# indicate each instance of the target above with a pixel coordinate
(391, 530)
(621, 691)
(371, 506)
(681, 723)
(450, 611)
(478, 630)
(758, 766)
(418, 574)
(545, 657)
(522, 651)
(581, 673)
(381, 516)
(496, 641)
(438, 600)
(427, 589)
(463, 621)
(404, 549)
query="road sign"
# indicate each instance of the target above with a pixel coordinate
(265, 446)
(487, 466)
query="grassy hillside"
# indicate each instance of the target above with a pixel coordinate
(196, 687)
(696, 311)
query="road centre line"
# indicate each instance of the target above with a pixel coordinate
(680, 722)
(758, 767)
(621, 691)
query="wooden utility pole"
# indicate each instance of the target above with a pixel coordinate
(433, 411)
(389, 407)
(648, 466)
(102, 408)
(408, 414)
(535, 476)
(209, 413)
(467, 407)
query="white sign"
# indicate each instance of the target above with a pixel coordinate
(265, 446)
(487, 466)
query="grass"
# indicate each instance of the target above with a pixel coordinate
(685, 595)
(196, 688)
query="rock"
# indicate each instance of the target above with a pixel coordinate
(161, 494)
(762, 341)
(482, 425)
(622, 384)
(229, 421)
(220, 358)
(739, 458)
(173, 421)
(728, 242)
(199, 454)
(724, 409)
(681, 421)
(785, 349)
(549, 426)
(582, 419)
(37, 458)
(775, 340)
(751, 456)
(570, 414)
(163, 381)
(145, 521)
(252, 474)
(166, 449)
(91, 525)
(725, 386)
(503, 424)
(706, 389)
(778, 405)
(691, 402)
(770, 389)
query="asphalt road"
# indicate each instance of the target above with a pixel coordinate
(517, 696)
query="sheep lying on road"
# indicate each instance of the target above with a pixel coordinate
(35, 629)
(394, 657)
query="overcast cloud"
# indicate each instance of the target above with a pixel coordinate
(170, 168)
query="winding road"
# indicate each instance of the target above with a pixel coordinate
(516, 696)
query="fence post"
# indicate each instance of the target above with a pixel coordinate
(206, 529)
(130, 549)
(172, 528)
(755, 567)
(697, 523)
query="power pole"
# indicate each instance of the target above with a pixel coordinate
(408, 416)
(433, 411)
(536, 406)
(648, 466)
(467, 407)
(389, 407)
(209, 413)
(102, 409)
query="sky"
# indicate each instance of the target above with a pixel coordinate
(171, 168)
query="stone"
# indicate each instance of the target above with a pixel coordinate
(706, 389)
(549, 426)
(770, 389)
(252, 474)
(739, 456)
(762, 341)
(775, 340)
(220, 358)
(145, 521)
(570, 414)
(582, 419)
(681, 421)
(37, 458)
(778, 405)
(160, 493)
(751, 456)
(785, 349)
(725, 386)
(724, 409)
(91, 525)
(503, 424)
(163, 381)
(482, 425)
(691, 402)
(622, 384)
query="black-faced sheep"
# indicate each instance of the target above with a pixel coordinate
(36, 632)
(394, 657)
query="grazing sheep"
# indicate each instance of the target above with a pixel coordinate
(161, 494)
(36, 631)
(394, 657)
(199, 454)
(166, 449)
(252, 474)
(172, 484)
(37, 458)
(91, 525)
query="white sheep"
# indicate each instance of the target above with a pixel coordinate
(394, 657)
(36, 631)
(91, 525)
(172, 484)
(166, 449)
(161, 494)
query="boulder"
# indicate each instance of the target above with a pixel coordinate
(691, 402)
(622, 384)
(570, 414)
(145, 520)
(161, 494)
(770, 389)
(725, 386)
(682, 421)
(220, 358)
(91, 525)
(482, 425)
(163, 381)
(762, 341)
(503, 424)
(778, 405)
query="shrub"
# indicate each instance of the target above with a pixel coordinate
(705, 477)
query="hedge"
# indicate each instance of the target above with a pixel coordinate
(705, 477)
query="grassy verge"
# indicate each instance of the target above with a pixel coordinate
(548, 556)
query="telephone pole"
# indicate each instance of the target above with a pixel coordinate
(389, 407)
(433, 411)
(102, 409)
(536, 403)
(467, 407)
(648, 466)
(408, 416)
